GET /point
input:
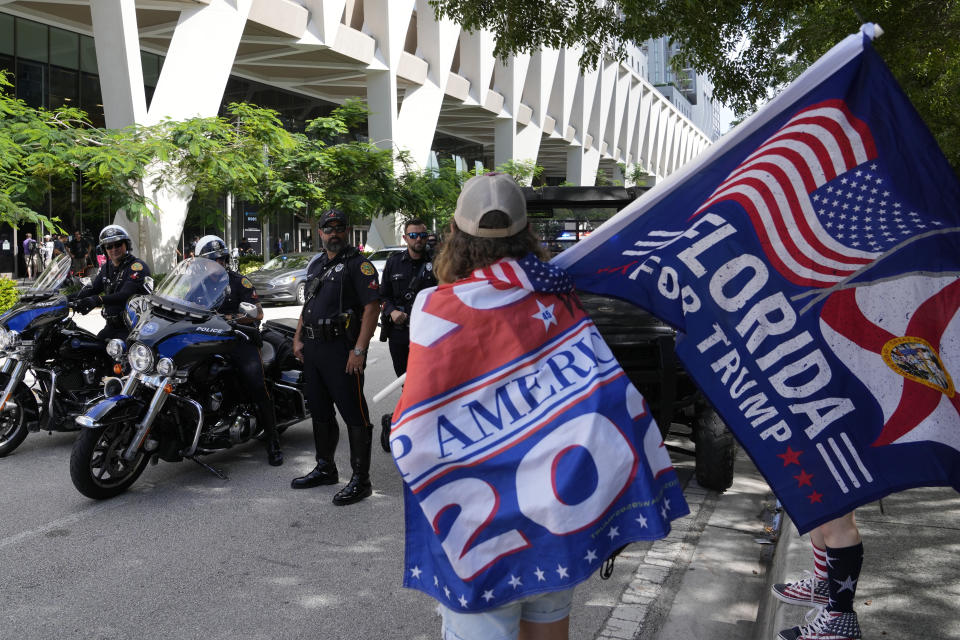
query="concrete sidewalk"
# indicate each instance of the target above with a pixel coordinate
(910, 583)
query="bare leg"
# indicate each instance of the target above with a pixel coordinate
(558, 630)
(838, 533)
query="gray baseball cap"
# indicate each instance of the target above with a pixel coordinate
(491, 192)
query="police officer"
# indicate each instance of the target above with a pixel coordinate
(121, 277)
(337, 322)
(246, 356)
(404, 275)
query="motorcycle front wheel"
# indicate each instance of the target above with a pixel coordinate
(13, 427)
(97, 466)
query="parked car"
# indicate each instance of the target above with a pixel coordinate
(282, 278)
(379, 259)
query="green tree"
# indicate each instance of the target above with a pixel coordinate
(749, 48)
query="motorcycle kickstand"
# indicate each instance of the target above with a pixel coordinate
(212, 470)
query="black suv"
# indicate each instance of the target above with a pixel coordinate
(643, 345)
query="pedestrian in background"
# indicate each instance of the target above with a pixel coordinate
(31, 256)
(336, 324)
(404, 275)
(78, 248)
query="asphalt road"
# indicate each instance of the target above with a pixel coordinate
(184, 554)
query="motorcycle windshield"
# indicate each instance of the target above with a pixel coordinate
(196, 283)
(53, 276)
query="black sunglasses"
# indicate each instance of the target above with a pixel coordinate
(112, 245)
(333, 229)
(416, 235)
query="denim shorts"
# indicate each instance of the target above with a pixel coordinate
(503, 623)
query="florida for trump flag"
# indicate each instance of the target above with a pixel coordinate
(527, 456)
(810, 263)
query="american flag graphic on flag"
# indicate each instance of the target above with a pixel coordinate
(811, 264)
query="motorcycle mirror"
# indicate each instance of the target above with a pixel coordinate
(248, 309)
(148, 284)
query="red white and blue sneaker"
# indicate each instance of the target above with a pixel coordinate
(807, 591)
(828, 625)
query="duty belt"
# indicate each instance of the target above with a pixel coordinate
(325, 329)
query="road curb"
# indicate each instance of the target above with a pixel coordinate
(645, 602)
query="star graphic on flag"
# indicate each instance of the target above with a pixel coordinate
(446, 592)
(591, 555)
(539, 574)
(614, 532)
(849, 583)
(545, 315)
(790, 457)
(515, 581)
(830, 561)
(804, 479)
(666, 504)
(436, 581)
(562, 571)
(815, 497)
(463, 601)
(642, 521)
(487, 595)
(663, 512)
(415, 572)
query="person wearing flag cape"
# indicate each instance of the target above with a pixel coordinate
(528, 457)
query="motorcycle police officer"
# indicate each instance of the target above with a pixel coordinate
(337, 322)
(404, 275)
(121, 277)
(246, 356)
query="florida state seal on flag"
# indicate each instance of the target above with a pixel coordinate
(810, 261)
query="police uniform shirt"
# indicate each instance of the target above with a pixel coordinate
(241, 290)
(399, 271)
(348, 272)
(116, 284)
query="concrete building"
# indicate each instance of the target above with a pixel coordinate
(689, 91)
(432, 88)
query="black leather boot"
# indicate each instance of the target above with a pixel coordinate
(385, 432)
(325, 436)
(269, 421)
(361, 439)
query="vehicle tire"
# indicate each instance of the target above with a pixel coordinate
(716, 449)
(302, 293)
(13, 427)
(97, 467)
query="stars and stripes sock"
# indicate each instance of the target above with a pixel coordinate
(843, 571)
(819, 563)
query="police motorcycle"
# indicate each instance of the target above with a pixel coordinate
(182, 398)
(52, 368)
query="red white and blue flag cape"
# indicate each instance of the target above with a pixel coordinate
(527, 456)
(811, 262)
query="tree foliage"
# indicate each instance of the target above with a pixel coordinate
(749, 48)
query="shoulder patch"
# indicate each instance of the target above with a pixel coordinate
(245, 282)
(367, 269)
(136, 266)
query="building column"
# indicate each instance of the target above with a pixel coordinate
(191, 84)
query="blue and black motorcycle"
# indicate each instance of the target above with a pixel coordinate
(52, 368)
(182, 398)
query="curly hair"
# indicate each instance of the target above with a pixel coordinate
(462, 253)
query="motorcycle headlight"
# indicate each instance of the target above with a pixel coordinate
(141, 358)
(165, 367)
(115, 348)
(279, 282)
